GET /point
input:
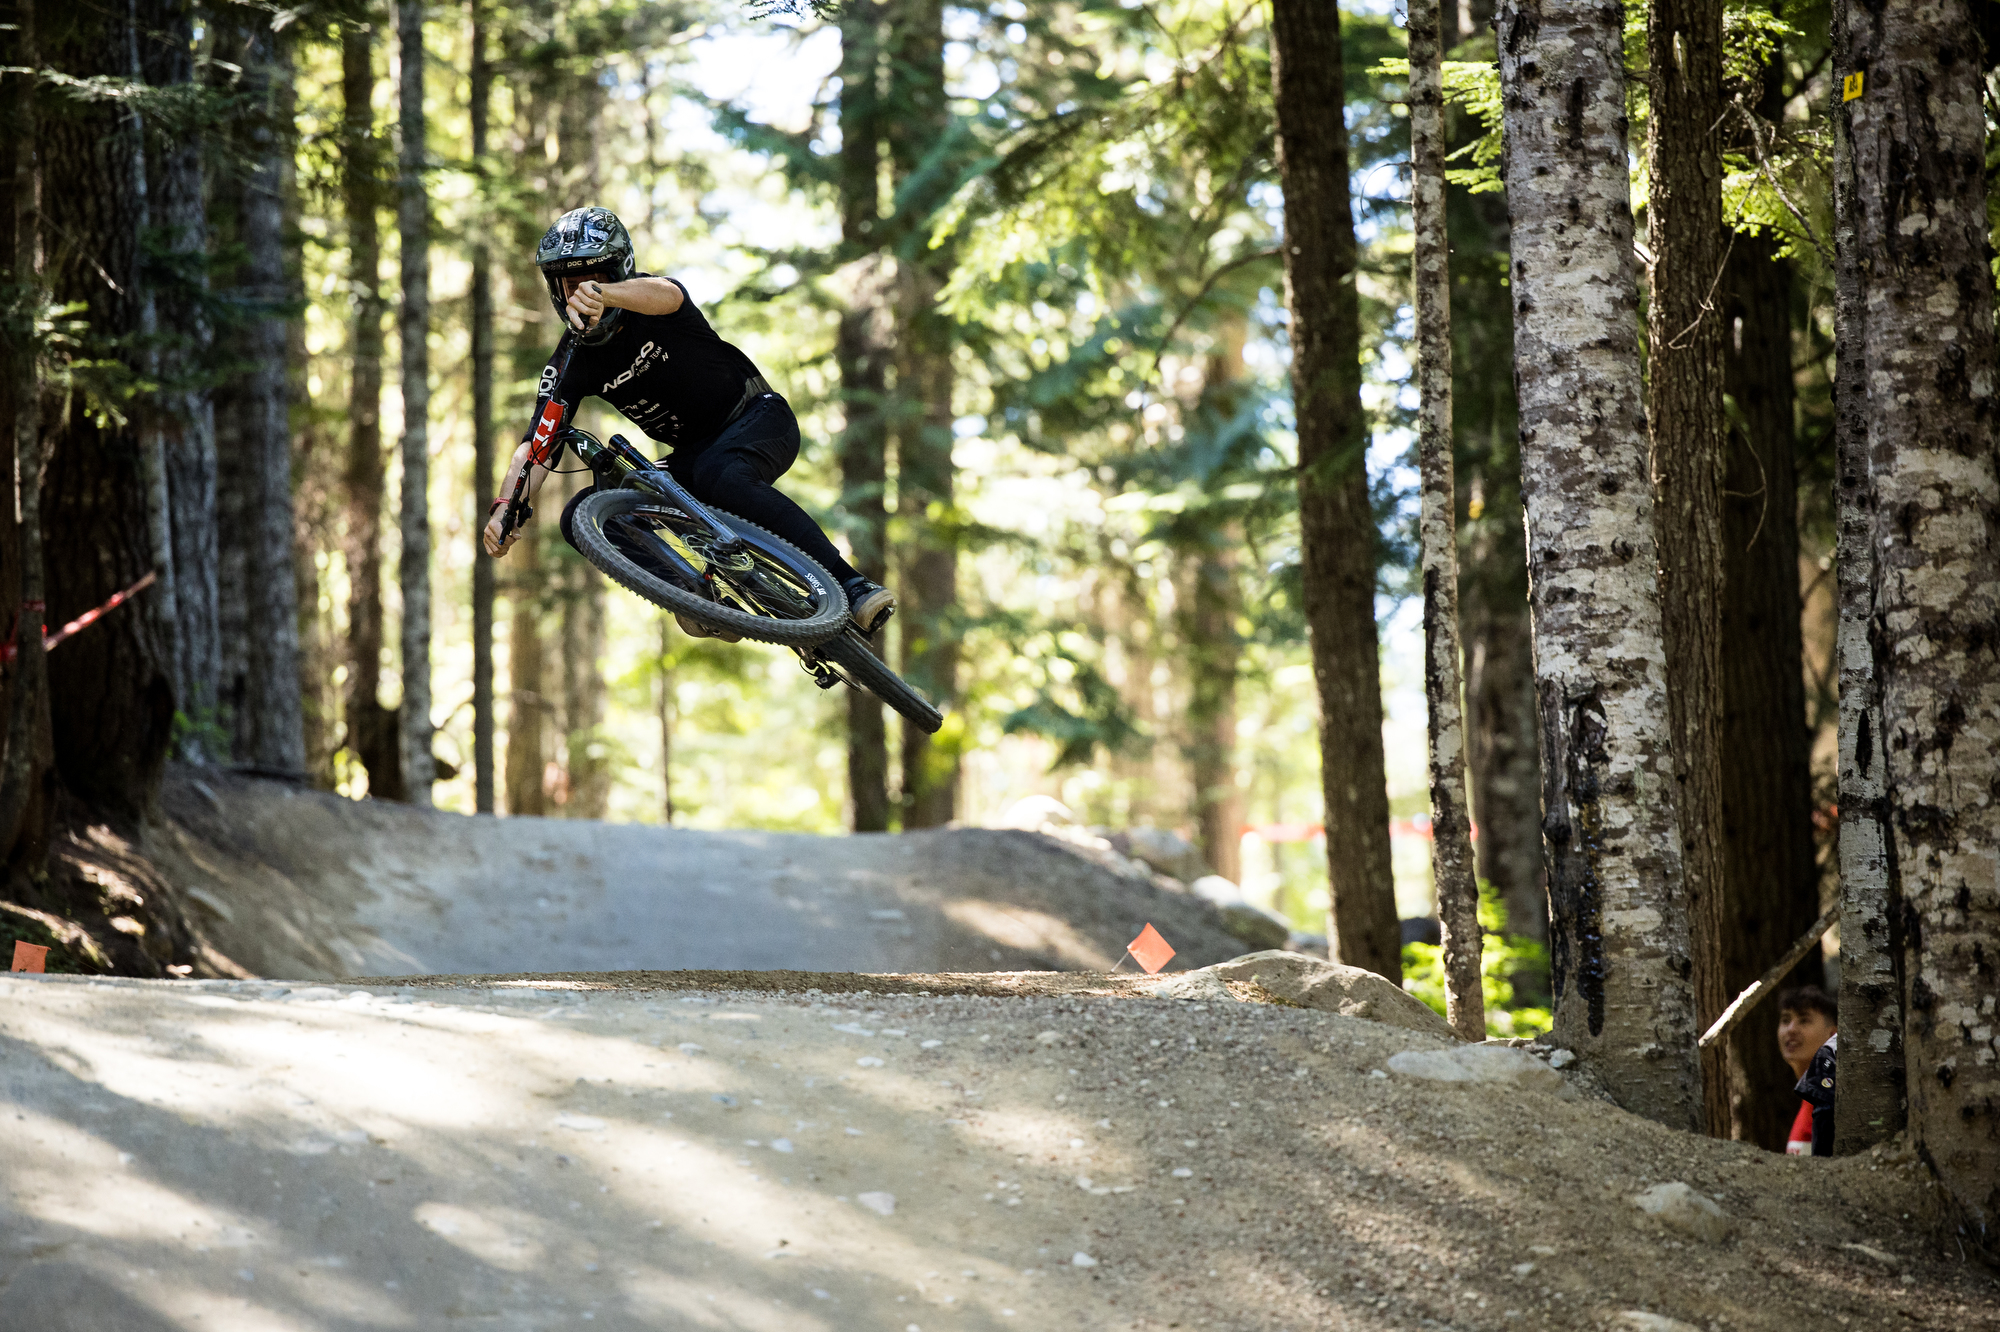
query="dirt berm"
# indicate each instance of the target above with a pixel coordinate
(304, 885)
(247, 1156)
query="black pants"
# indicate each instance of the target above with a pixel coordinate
(734, 472)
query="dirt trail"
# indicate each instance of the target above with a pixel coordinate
(301, 884)
(530, 1155)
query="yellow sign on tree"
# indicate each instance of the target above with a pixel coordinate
(1850, 87)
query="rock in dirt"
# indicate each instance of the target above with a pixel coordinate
(1638, 1320)
(1477, 1063)
(1296, 978)
(1169, 853)
(1201, 987)
(1679, 1207)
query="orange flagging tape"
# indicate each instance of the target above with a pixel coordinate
(30, 957)
(1149, 950)
(9, 650)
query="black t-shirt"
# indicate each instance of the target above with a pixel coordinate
(671, 375)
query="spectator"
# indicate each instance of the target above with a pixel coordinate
(1806, 1039)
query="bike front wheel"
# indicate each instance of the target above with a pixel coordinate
(767, 589)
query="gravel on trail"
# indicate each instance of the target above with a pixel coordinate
(815, 1153)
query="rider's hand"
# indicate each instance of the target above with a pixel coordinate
(491, 538)
(586, 306)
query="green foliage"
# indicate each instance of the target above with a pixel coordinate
(1503, 959)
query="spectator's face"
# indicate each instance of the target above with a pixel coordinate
(1800, 1035)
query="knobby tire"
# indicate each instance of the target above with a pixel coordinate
(859, 665)
(825, 622)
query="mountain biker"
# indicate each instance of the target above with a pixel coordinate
(638, 342)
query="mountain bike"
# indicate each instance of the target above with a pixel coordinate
(646, 533)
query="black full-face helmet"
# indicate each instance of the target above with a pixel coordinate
(586, 243)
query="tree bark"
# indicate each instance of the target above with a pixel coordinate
(1917, 138)
(1451, 820)
(182, 413)
(1337, 525)
(111, 702)
(1767, 838)
(923, 425)
(267, 718)
(862, 351)
(1619, 929)
(527, 755)
(1684, 231)
(1214, 657)
(483, 484)
(27, 767)
(371, 728)
(1871, 1104)
(414, 565)
(584, 761)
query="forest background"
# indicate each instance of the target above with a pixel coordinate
(1033, 320)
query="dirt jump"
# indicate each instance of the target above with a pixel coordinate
(548, 1120)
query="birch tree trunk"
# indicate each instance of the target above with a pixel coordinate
(861, 350)
(414, 566)
(1917, 138)
(483, 483)
(1684, 397)
(26, 766)
(1451, 820)
(1337, 525)
(1871, 1104)
(1619, 928)
(371, 728)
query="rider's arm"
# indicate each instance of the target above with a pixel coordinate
(536, 476)
(641, 295)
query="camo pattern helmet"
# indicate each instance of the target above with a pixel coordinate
(586, 243)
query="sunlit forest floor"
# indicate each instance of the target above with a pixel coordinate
(244, 1154)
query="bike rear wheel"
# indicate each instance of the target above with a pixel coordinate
(859, 668)
(769, 590)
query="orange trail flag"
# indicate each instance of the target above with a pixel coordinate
(30, 957)
(1149, 950)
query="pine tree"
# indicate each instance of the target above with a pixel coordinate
(1336, 521)
(414, 564)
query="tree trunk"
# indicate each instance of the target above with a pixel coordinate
(1214, 656)
(1451, 822)
(267, 721)
(527, 706)
(1871, 1105)
(315, 474)
(861, 350)
(1502, 753)
(182, 412)
(664, 683)
(923, 425)
(1684, 230)
(371, 728)
(1917, 137)
(111, 700)
(1619, 928)
(27, 766)
(1337, 525)
(483, 483)
(414, 565)
(588, 770)
(1767, 837)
